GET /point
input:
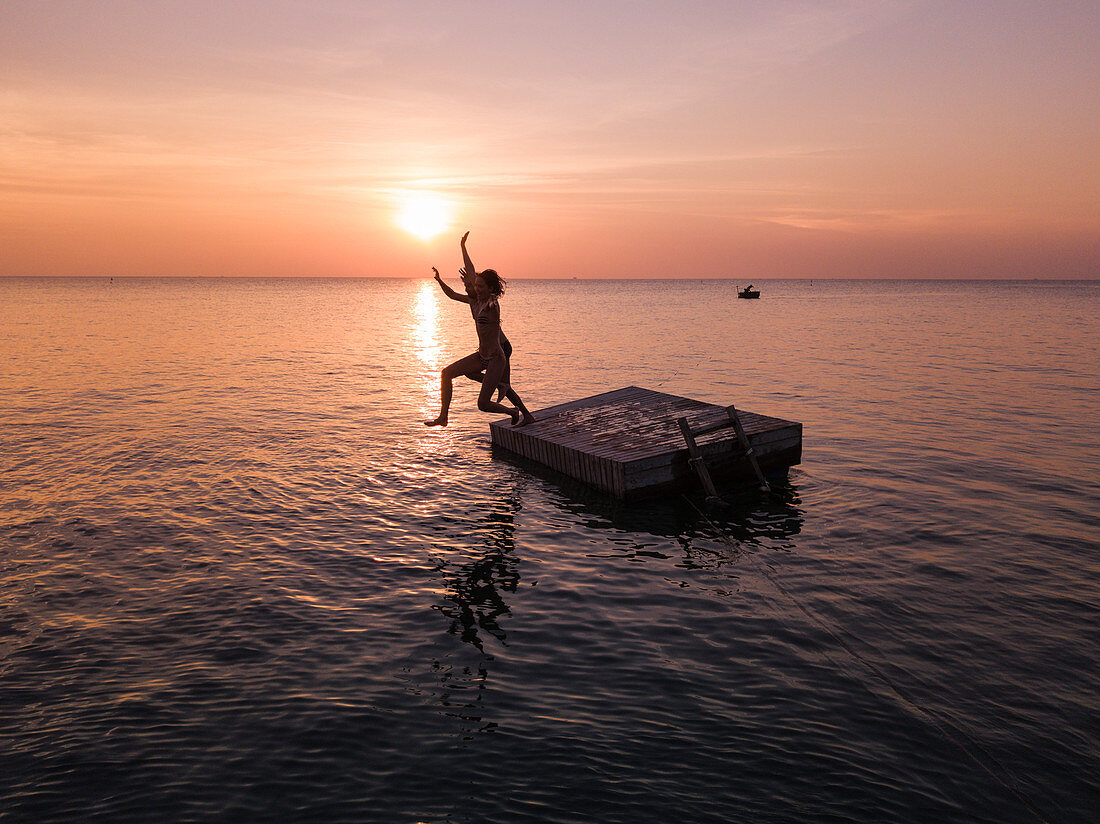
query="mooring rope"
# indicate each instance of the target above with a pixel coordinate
(676, 374)
(943, 726)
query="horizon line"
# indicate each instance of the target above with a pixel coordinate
(761, 278)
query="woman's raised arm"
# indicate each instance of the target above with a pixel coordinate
(468, 265)
(448, 291)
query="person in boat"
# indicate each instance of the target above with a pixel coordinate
(747, 289)
(468, 273)
(488, 363)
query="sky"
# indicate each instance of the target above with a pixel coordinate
(853, 138)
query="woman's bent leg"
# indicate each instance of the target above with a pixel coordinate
(514, 397)
(493, 374)
(511, 394)
(464, 366)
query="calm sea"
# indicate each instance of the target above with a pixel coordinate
(242, 582)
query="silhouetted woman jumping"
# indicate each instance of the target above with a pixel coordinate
(486, 288)
(505, 388)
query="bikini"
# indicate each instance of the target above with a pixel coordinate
(482, 320)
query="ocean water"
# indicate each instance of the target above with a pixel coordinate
(241, 581)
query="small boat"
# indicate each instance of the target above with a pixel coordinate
(748, 292)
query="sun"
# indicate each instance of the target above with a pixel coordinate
(424, 214)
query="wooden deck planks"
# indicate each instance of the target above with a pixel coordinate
(627, 442)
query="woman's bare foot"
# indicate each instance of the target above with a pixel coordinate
(440, 421)
(528, 418)
(514, 414)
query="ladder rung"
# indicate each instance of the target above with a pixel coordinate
(714, 427)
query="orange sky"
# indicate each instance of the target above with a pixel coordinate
(599, 139)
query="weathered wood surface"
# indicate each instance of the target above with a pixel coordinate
(627, 442)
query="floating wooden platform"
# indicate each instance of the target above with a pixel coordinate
(627, 442)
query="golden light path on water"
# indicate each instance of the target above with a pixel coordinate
(426, 317)
(425, 334)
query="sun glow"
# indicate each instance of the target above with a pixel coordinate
(424, 214)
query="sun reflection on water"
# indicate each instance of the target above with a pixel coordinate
(426, 341)
(426, 331)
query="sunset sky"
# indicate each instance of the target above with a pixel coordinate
(591, 139)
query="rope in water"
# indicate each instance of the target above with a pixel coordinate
(691, 369)
(949, 731)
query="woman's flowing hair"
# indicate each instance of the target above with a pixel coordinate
(494, 281)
